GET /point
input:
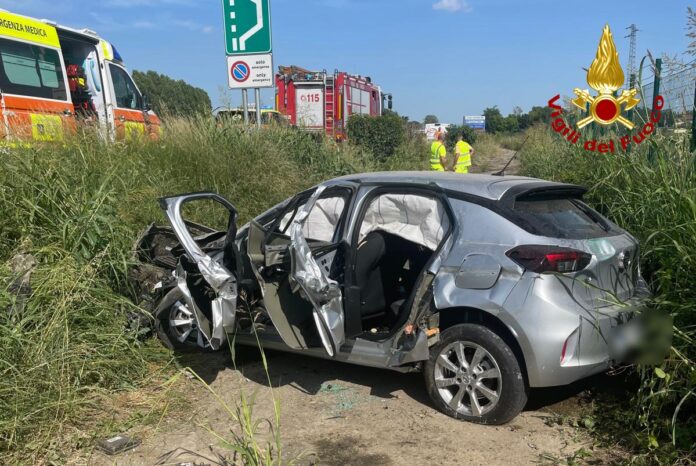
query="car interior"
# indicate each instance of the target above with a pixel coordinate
(398, 235)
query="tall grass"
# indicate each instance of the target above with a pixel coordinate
(77, 209)
(651, 192)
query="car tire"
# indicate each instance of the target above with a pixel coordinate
(168, 334)
(493, 391)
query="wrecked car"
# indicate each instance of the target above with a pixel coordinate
(487, 285)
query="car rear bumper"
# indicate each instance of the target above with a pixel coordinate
(561, 340)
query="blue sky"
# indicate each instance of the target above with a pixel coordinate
(447, 57)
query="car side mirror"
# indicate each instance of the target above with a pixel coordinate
(146, 104)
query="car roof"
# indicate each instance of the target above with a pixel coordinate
(485, 186)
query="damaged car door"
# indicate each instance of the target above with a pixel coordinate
(298, 261)
(204, 300)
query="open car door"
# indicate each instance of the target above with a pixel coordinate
(295, 276)
(207, 284)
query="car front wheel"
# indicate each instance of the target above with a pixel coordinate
(176, 325)
(473, 375)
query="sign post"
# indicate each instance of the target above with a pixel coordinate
(249, 49)
(245, 106)
(257, 97)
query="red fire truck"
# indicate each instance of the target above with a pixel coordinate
(318, 101)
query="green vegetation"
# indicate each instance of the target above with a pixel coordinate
(77, 210)
(382, 135)
(655, 199)
(454, 131)
(430, 119)
(514, 122)
(172, 97)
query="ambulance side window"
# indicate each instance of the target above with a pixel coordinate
(126, 94)
(31, 70)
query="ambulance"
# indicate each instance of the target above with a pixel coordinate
(55, 79)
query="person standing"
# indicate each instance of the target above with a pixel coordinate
(438, 154)
(462, 155)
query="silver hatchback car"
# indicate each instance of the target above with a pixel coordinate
(487, 285)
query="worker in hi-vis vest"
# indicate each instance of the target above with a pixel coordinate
(462, 155)
(438, 154)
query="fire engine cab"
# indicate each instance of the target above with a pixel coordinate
(54, 78)
(318, 101)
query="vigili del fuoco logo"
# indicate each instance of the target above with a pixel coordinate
(608, 106)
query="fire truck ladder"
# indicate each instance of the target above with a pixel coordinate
(329, 103)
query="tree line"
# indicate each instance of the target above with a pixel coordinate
(170, 97)
(514, 122)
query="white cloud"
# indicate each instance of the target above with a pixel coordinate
(139, 3)
(452, 5)
(192, 26)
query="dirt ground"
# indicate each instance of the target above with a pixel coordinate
(496, 161)
(340, 414)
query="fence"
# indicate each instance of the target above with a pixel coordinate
(678, 88)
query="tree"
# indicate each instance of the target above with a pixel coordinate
(379, 134)
(539, 114)
(494, 120)
(172, 97)
(430, 119)
(511, 124)
(453, 132)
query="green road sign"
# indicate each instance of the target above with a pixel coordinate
(247, 26)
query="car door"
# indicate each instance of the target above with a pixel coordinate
(297, 261)
(212, 301)
(130, 119)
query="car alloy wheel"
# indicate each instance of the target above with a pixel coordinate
(472, 374)
(182, 323)
(468, 378)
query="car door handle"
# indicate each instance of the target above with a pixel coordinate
(67, 112)
(121, 118)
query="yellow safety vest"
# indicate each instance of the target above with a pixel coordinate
(437, 150)
(464, 162)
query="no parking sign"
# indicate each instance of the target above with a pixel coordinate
(240, 71)
(250, 71)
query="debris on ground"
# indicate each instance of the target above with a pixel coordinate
(345, 398)
(117, 445)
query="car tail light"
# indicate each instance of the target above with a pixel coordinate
(549, 259)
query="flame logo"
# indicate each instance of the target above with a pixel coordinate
(606, 77)
(605, 74)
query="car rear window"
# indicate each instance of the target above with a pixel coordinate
(563, 218)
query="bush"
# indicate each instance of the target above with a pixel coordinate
(454, 131)
(380, 135)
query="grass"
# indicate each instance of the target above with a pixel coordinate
(76, 210)
(651, 192)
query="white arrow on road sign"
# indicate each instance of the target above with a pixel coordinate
(247, 26)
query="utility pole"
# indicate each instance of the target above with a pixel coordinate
(633, 36)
